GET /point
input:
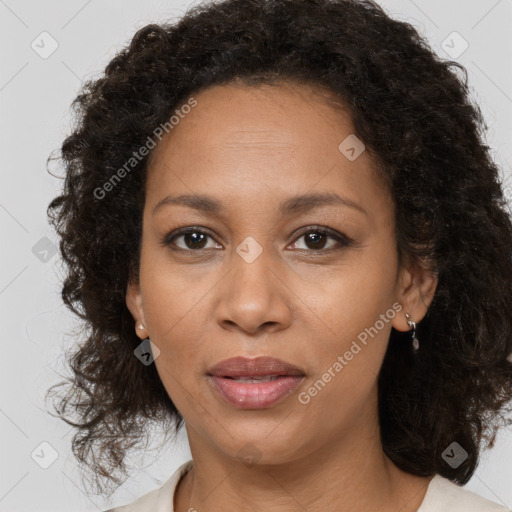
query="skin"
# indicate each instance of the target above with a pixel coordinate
(252, 148)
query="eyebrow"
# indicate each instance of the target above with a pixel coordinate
(293, 206)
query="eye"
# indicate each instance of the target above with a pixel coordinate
(316, 240)
(193, 239)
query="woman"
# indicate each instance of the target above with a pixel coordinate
(283, 228)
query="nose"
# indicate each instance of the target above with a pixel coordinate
(254, 296)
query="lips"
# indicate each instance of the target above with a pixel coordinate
(254, 383)
(241, 367)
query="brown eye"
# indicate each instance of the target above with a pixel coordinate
(317, 240)
(192, 239)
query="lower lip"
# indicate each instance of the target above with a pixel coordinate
(255, 395)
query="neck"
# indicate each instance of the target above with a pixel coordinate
(354, 475)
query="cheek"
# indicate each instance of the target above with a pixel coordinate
(172, 304)
(355, 313)
(171, 294)
(183, 343)
(352, 296)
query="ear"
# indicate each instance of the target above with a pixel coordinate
(134, 304)
(416, 286)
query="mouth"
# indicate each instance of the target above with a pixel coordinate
(254, 383)
(254, 379)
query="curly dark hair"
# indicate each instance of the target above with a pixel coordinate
(413, 112)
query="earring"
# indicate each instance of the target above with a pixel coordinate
(412, 325)
(140, 326)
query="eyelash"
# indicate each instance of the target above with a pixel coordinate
(342, 240)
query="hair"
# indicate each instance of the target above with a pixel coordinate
(413, 112)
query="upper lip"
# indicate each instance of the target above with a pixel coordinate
(257, 367)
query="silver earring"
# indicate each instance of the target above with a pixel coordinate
(412, 325)
(140, 326)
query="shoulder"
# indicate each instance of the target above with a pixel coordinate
(443, 495)
(158, 500)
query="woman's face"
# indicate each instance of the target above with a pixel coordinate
(297, 261)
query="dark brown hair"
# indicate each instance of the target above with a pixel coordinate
(413, 112)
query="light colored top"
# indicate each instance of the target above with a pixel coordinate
(442, 496)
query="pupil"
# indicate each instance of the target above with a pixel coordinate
(316, 239)
(195, 238)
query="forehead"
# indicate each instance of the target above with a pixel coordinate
(277, 115)
(263, 139)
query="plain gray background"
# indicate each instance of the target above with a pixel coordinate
(36, 91)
